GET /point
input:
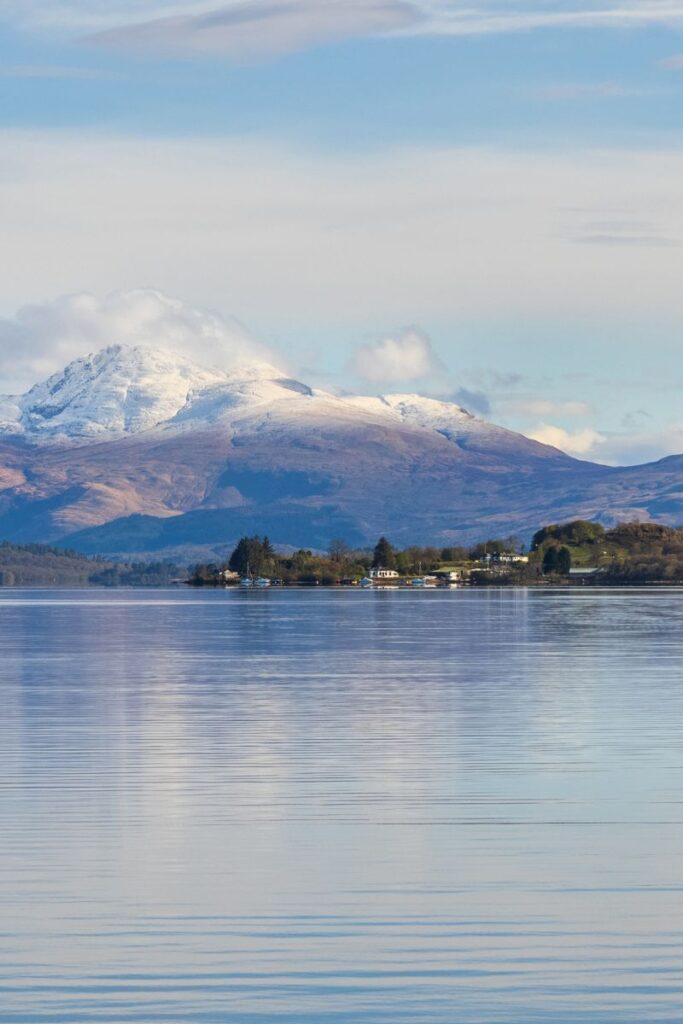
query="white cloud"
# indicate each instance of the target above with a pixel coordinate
(306, 239)
(259, 28)
(41, 339)
(499, 16)
(134, 21)
(408, 356)
(633, 448)
(580, 442)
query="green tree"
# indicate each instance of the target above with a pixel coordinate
(454, 554)
(489, 547)
(579, 531)
(384, 556)
(564, 561)
(253, 555)
(550, 561)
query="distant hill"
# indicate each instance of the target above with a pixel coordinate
(132, 453)
(38, 565)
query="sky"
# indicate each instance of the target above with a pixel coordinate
(478, 200)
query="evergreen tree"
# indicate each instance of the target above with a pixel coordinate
(564, 561)
(383, 556)
(253, 555)
(550, 561)
(240, 559)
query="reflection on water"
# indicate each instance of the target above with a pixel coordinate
(312, 807)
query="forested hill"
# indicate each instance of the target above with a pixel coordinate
(38, 565)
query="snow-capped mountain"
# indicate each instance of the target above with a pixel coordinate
(123, 391)
(118, 391)
(139, 450)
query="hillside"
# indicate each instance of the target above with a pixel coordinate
(628, 553)
(39, 565)
(136, 453)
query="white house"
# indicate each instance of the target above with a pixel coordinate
(504, 558)
(383, 574)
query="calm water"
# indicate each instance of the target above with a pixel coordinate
(305, 806)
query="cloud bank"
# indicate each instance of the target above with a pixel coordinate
(418, 235)
(332, 246)
(42, 339)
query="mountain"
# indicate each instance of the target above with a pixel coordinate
(117, 392)
(133, 450)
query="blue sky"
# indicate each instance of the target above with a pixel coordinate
(476, 200)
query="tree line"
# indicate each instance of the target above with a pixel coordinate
(256, 556)
(629, 552)
(42, 565)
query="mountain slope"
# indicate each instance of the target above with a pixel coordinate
(116, 392)
(132, 450)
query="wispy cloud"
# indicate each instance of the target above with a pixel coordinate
(625, 231)
(262, 28)
(500, 16)
(672, 63)
(55, 72)
(571, 91)
(239, 28)
(545, 407)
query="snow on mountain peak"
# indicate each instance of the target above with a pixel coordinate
(124, 390)
(120, 390)
(420, 411)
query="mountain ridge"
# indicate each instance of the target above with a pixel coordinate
(132, 446)
(124, 390)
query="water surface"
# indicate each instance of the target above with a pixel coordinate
(327, 806)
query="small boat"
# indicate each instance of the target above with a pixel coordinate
(366, 582)
(246, 581)
(419, 581)
(262, 581)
